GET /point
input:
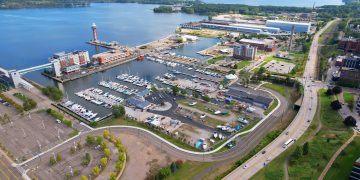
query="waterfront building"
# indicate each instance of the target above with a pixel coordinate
(110, 56)
(244, 51)
(288, 25)
(70, 62)
(267, 45)
(350, 45)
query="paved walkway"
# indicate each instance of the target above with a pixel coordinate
(333, 158)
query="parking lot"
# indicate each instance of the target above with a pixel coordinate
(279, 67)
(25, 136)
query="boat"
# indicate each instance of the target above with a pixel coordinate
(140, 58)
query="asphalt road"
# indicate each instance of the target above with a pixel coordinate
(7, 171)
(299, 124)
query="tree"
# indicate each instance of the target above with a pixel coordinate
(118, 111)
(306, 148)
(83, 177)
(173, 167)
(103, 162)
(72, 150)
(297, 153)
(52, 161)
(244, 77)
(107, 152)
(96, 171)
(53, 93)
(336, 105)
(112, 176)
(329, 92)
(58, 157)
(175, 90)
(337, 90)
(78, 145)
(350, 121)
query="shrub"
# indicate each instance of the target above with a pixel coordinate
(306, 148)
(58, 157)
(163, 173)
(173, 167)
(83, 177)
(103, 162)
(96, 171)
(53, 93)
(206, 98)
(179, 163)
(52, 161)
(112, 176)
(99, 140)
(107, 152)
(90, 140)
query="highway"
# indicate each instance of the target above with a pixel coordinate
(298, 126)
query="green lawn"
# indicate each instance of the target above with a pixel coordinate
(216, 59)
(272, 107)
(121, 121)
(349, 99)
(189, 170)
(344, 162)
(243, 63)
(276, 87)
(322, 146)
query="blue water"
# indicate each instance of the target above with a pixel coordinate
(29, 36)
(296, 3)
(191, 48)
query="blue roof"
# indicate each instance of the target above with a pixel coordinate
(143, 93)
(138, 103)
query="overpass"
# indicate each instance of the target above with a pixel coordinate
(35, 68)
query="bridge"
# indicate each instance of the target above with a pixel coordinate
(35, 68)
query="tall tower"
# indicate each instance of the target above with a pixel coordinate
(95, 36)
(291, 37)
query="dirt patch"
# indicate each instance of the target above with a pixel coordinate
(144, 159)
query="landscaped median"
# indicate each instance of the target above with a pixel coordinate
(309, 162)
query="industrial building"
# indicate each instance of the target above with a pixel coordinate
(244, 51)
(229, 26)
(267, 45)
(69, 62)
(249, 95)
(288, 25)
(350, 45)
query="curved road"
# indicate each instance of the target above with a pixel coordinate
(244, 144)
(299, 124)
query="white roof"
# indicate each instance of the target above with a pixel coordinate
(231, 77)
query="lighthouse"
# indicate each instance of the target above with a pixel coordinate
(95, 36)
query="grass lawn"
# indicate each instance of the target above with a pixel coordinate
(243, 63)
(189, 170)
(322, 146)
(343, 164)
(349, 99)
(121, 121)
(272, 107)
(216, 59)
(276, 87)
